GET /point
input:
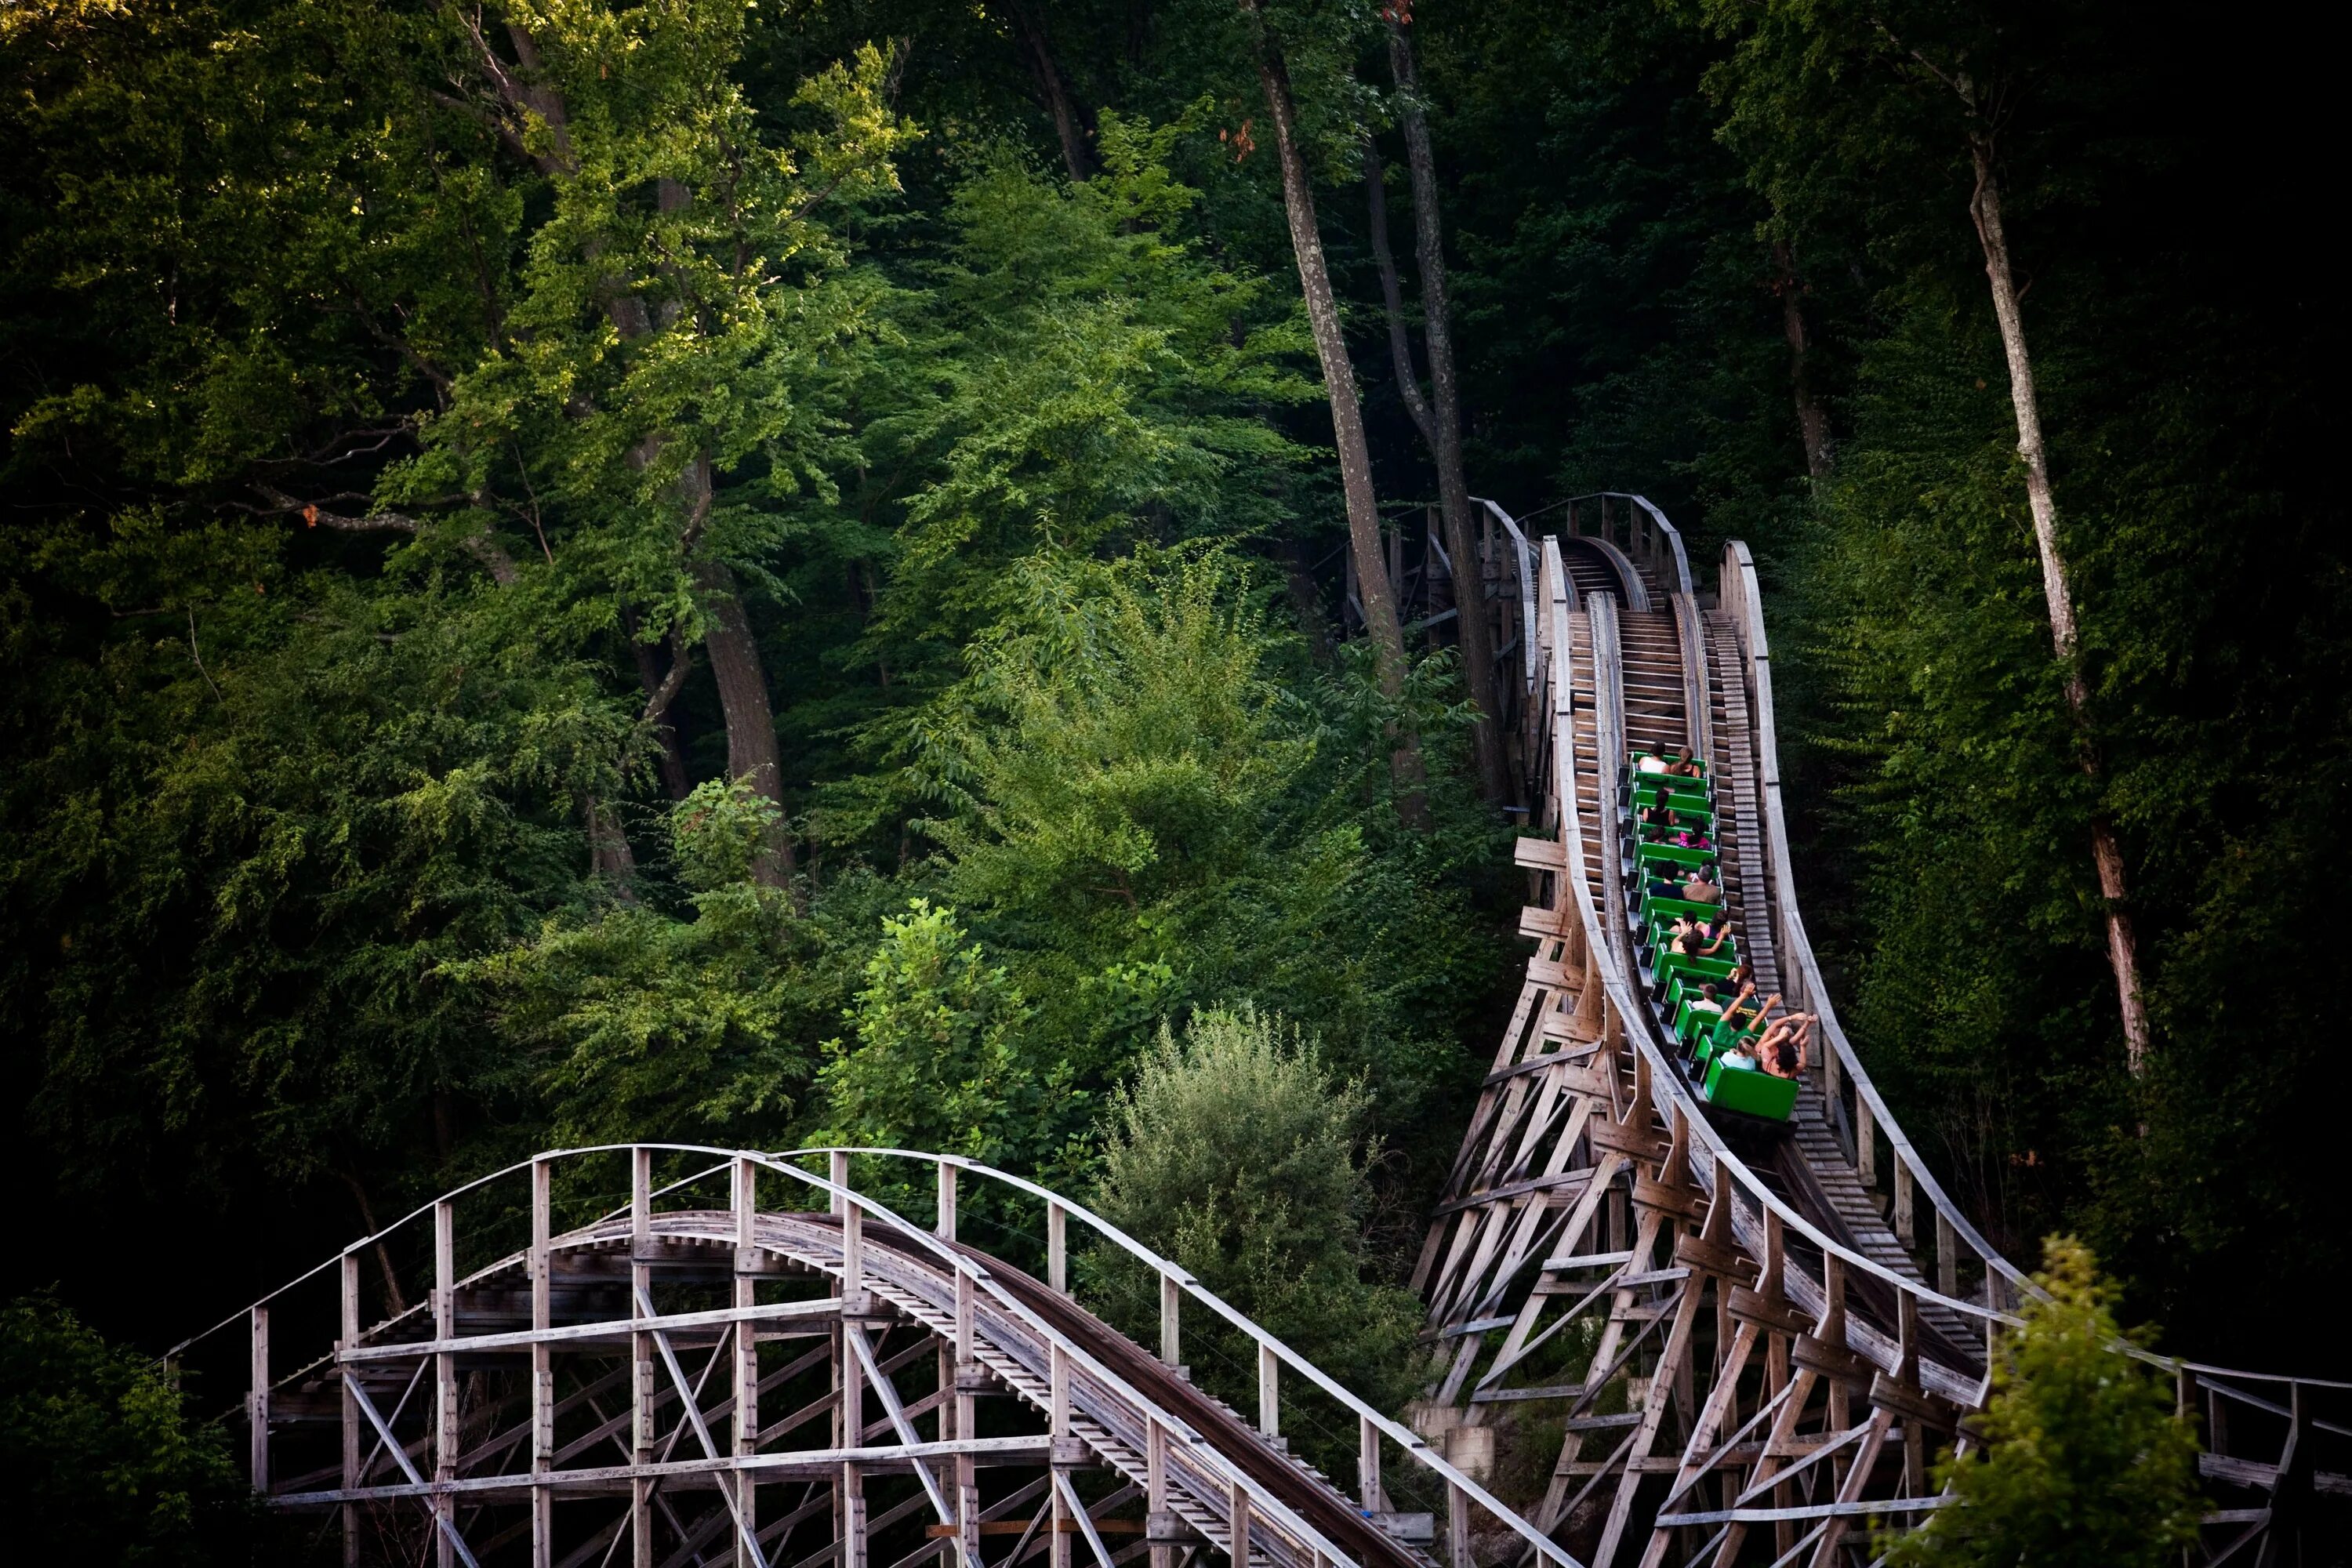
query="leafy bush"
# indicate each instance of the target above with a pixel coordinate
(2082, 1461)
(1234, 1153)
(101, 1457)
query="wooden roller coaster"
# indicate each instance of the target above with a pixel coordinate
(1745, 1340)
(1769, 1331)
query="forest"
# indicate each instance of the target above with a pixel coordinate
(765, 573)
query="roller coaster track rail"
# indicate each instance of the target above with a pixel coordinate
(1744, 1344)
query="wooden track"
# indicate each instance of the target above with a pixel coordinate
(1743, 1342)
(754, 1380)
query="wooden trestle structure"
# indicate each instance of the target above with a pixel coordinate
(756, 1364)
(1748, 1347)
(1751, 1342)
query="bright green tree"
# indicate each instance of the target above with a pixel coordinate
(940, 1061)
(1142, 808)
(1233, 1151)
(2078, 1460)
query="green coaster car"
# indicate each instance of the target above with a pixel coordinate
(1674, 855)
(1674, 965)
(1682, 988)
(1699, 818)
(1662, 944)
(1635, 762)
(1679, 794)
(1694, 1021)
(1655, 905)
(1750, 1092)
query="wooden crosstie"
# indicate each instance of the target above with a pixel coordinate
(1738, 1345)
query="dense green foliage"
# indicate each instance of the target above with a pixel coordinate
(411, 447)
(103, 1456)
(2080, 1460)
(1234, 1153)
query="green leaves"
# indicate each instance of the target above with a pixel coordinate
(2080, 1461)
(717, 831)
(942, 1059)
(102, 1437)
(1233, 1151)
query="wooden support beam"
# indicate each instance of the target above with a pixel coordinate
(967, 1474)
(347, 1339)
(1172, 1300)
(814, 1464)
(1155, 1490)
(746, 1361)
(543, 1362)
(644, 1388)
(445, 1378)
(1057, 1398)
(256, 1398)
(850, 1416)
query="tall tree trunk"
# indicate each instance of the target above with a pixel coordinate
(1445, 419)
(1072, 125)
(736, 667)
(742, 676)
(609, 854)
(1813, 422)
(1408, 379)
(661, 688)
(2123, 947)
(1346, 413)
(735, 661)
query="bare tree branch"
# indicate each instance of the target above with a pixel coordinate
(480, 546)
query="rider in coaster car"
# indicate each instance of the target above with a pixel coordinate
(1683, 766)
(1740, 1014)
(1782, 1049)
(1697, 886)
(1649, 763)
(1701, 888)
(1697, 938)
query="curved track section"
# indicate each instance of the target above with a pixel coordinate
(756, 1364)
(1733, 1342)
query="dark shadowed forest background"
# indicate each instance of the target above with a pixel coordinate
(753, 573)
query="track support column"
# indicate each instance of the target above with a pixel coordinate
(967, 1405)
(445, 1379)
(348, 1338)
(543, 1363)
(747, 1355)
(256, 1398)
(852, 1511)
